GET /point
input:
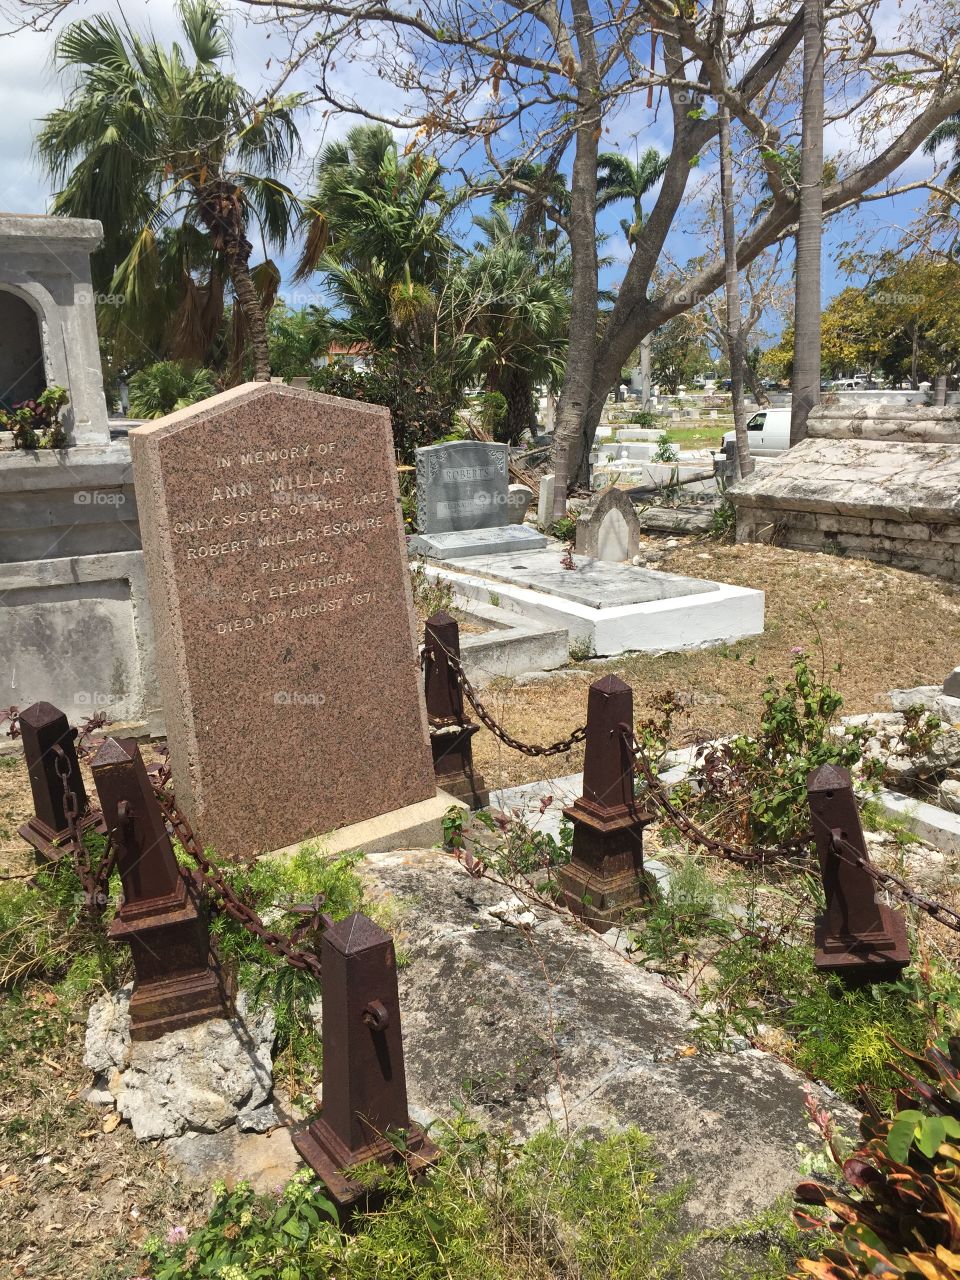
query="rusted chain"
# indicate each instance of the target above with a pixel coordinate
(94, 880)
(657, 793)
(487, 718)
(299, 957)
(944, 915)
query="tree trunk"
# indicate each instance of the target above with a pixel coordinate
(248, 300)
(734, 325)
(571, 466)
(516, 388)
(806, 341)
(752, 380)
(645, 389)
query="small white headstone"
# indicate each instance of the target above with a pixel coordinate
(545, 502)
(613, 539)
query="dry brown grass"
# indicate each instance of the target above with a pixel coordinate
(887, 629)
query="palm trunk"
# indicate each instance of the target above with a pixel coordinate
(248, 300)
(732, 280)
(220, 208)
(806, 342)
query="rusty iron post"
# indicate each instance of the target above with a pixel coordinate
(49, 748)
(451, 733)
(605, 877)
(178, 980)
(857, 938)
(364, 1113)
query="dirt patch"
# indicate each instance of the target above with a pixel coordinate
(885, 628)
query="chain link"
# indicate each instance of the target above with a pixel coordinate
(487, 718)
(657, 793)
(299, 957)
(889, 880)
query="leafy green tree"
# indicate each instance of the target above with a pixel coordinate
(679, 353)
(297, 339)
(175, 157)
(167, 385)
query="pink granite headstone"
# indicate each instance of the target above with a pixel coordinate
(283, 612)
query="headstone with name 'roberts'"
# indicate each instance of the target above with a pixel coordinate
(282, 603)
(463, 502)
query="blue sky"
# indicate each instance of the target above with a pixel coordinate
(29, 88)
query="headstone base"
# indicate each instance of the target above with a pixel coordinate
(331, 1161)
(415, 826)
(858, 962)
(476, 542)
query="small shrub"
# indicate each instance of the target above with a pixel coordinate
(430, 597)
(665, 451)
(641, 418)
(579, 1207)
(756, 787)
(36, 423)
(168, 385)
(564, 530)
(723, 522)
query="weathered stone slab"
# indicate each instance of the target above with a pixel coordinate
(592, 582)
(608, 529)
(519, 497)
(462, 485)
(619, 1052)
(545, 501)
(285, 634)
(476, 542)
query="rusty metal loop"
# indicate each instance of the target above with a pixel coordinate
(889, 880)
(376, 1015)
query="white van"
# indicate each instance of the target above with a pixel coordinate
(768, 431)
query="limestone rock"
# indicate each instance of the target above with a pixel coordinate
(555, 1025)
(202, 1079)
(889, 741)
(931, 698)
(950, 795)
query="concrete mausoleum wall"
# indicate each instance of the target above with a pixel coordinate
(880, 482)
(75, 625)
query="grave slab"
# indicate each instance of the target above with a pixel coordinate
(609, 608)
(285, 629)
(623, 1055)
(476, 542)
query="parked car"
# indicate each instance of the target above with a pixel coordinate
(768, 432)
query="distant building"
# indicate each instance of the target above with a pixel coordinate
(350, 353)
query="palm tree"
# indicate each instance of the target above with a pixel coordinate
(512, 315)
(167, 149)
(375, 229)
(948, 131)
(160, 388)
(620, 179)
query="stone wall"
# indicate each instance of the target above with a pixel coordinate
(879, 482)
